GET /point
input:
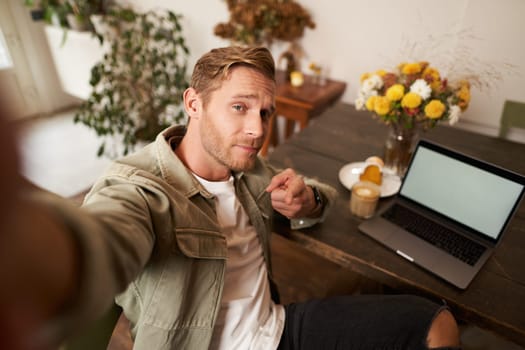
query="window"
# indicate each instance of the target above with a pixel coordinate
(5, 58)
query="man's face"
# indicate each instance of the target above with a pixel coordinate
(235, 121)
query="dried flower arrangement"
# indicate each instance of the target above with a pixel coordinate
(259, 22)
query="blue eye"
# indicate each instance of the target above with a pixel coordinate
(238, 108)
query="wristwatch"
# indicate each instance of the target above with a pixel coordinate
(318, 197)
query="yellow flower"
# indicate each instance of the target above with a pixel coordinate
(364, 76)
(382, 105)
(434, 109)
(415, 93)
(464, 96)
(314, 67)
(464, 83)
(370, 103)
(411, 100)
(431, 75)
(411, 68)
(395, 92)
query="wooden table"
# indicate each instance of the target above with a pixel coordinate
(495, 300)
(300, 104)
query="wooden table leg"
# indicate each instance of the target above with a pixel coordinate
(290, 127)
(272, 136)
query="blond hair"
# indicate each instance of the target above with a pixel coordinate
(214, 67)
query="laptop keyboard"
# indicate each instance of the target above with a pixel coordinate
(460, 247)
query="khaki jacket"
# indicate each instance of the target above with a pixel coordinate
(152, 232)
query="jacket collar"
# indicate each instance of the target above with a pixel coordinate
(172, 169)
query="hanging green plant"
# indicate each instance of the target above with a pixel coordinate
(68, 14)
(138, 85)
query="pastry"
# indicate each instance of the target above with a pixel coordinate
(373, 170)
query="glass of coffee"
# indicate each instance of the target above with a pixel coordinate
(364, 198)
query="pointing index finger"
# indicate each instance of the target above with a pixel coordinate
(279, 181)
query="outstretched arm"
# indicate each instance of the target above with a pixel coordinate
(38, 260)
(38, 269)
(61, 265)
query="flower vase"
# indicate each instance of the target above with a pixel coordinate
(399, 146)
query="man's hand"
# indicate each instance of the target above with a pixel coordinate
(290, 195)
(38, 263)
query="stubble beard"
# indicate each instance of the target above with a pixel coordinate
(220, 150)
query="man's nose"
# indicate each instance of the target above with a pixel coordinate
(256, 125)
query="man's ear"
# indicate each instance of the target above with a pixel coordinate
(192, 103)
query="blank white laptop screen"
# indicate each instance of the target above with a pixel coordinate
(472, 196)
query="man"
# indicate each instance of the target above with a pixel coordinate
(181, 230)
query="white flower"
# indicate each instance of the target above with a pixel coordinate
(161, 89)
(454, 113)
(362, 97)
(374, 82)
(421, 87)
(360, 102)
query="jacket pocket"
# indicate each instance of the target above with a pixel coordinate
(199, 243)
(186, 286)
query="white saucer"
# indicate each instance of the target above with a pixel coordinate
(349, 175)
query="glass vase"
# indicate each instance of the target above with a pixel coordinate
(399, 146)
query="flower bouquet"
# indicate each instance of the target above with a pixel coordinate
(413, 98)
(415, 94)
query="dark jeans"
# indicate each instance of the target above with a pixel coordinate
(359, 322)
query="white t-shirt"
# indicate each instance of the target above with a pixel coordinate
(248, 318)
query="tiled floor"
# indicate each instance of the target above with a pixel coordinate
(60, 156)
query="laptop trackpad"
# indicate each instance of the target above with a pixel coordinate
(414, 248)
(401, 241)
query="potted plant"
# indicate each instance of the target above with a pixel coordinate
(137, 87)
(263, 21)
(68, 14)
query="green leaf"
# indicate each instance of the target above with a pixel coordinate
(126, 82)
(101, 150)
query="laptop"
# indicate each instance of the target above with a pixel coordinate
(450, 213)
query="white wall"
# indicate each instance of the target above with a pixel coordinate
(45, 86)
(354, 36)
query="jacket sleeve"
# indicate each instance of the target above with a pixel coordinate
(329, 195)
(114, 234)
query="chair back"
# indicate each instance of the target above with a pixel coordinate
(513, 116)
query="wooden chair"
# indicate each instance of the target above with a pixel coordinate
(513, 116)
